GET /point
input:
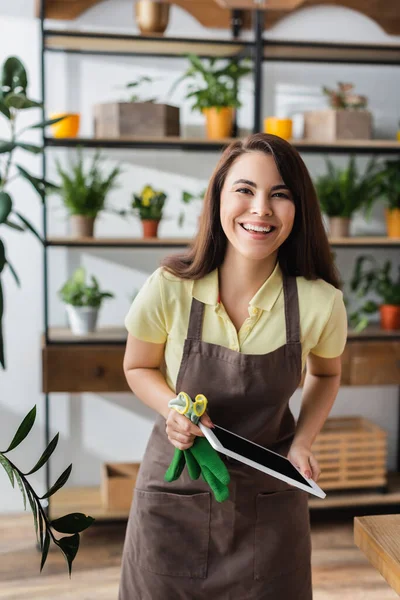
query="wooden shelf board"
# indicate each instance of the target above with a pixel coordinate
(118, 335)
(360, 498)
(154, 45)
(364, 241)
(88, 500)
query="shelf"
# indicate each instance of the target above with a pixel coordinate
(80, 42)
(205, 145)
(347, 499)
(98, 242)
(116, 335)
(320, 52)
(88, 501)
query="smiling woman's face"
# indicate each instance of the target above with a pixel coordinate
(253, 196)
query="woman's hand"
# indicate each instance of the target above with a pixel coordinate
(302, 457)
(181, 431)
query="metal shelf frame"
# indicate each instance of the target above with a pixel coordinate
(258, 49)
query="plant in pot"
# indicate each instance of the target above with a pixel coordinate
(341, 192)
(149, 206)
(82, 302)
(214, 89)
(84, 193)
(196, 200)
(389, 190)
(368, 276)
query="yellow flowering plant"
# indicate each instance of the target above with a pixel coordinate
(149, 203)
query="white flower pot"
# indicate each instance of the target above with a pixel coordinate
(82, 319)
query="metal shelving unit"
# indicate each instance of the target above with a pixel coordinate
(260, 51)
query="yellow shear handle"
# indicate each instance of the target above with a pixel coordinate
(200, 405)
(184, 409)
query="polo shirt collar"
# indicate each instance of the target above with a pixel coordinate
(206, 289)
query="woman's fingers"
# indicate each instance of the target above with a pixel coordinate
(180, 430)
(205, 420)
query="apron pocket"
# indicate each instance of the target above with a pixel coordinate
(282, 533)
(170, 533)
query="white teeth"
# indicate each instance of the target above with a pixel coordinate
(256, 228)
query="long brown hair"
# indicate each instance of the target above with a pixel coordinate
(305, 252)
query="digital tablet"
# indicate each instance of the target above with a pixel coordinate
(260, 458)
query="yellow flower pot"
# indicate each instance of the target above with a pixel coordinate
(68, 127)
(393, 222)
(281, 127)
(218, 122)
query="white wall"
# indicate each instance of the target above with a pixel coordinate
(115, 427)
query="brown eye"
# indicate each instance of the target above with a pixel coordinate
(244, 191)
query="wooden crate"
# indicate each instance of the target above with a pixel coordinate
(117, 484)
(125, 119)
(331, 125)
(352, 453)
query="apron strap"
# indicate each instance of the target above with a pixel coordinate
(292, 316)
(195, 320)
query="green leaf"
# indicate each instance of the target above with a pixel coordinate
(46, 455)
(14, 75)
(29, 226)
(21, 486)
(4, 109)
(59, 483)
(13, 225)
(40, 185)
(4, 462)
(23, 430)
(6, 146)
(20, 102)
(69, 546)
(2, 357)
(34, 509)
(14, 273)
(5, 206)
(30, 147)
(2, 258)
(72, 523)
(45, 550)
(46, 123)
(40, 519)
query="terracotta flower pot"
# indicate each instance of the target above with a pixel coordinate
(150, 227)
(218, 122)
(82, 226)
(151, 17)
(393, 222)
(339, 227)
(390, 316)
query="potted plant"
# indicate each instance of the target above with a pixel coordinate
(389, 189)
(194, 199)
(346, 119)
(214, 89)
(84, 193)
(148, 206)
(139, 115)
(376, 279)
(343, 191)
(82, 302)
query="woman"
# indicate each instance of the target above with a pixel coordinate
(237, 317)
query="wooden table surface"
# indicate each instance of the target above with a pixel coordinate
(379, 538)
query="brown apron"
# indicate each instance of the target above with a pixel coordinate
(183, 545)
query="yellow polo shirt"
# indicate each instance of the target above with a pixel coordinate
(160, 313)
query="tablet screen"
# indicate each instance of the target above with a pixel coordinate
(264, 457)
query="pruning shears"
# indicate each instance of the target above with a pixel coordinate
(193, 409)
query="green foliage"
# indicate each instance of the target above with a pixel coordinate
(345, 98)
(343, 191)
(137, 83)
(389, 183)
(77, 293)
(73, 523)
(84, 193)
(13, 100)
(149, 204)
(372, 279)
(187, 198)
(211, 85)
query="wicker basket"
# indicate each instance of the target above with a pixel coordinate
(351, 452)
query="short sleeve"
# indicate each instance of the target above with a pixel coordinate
(146, 317)
(333, 338)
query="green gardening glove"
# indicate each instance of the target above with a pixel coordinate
(213, 470)
(180, 458)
